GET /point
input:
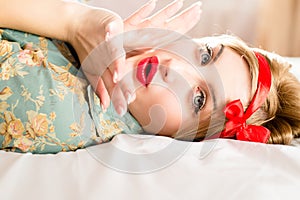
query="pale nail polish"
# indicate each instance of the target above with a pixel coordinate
(152, 1)
(130, 97)
(103, 108)
(179, 1)
(199, 3)
(121, 111)
(115, 78)
(107, 36)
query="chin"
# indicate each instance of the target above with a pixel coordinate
(169, 132)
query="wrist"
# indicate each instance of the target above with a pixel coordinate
(88, 28)
(75, 15)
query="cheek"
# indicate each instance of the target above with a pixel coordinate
(163, 114)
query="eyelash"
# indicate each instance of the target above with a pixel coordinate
(205, 54)
(198, 97)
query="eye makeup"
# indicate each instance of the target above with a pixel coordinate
(199, 99)
(206, 54)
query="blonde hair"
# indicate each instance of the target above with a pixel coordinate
(281, 111)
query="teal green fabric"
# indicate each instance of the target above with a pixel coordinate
(46, 105)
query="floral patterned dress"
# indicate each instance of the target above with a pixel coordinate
(46, 105)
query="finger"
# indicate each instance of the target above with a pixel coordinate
(114, 47)
(186, 19)
(149, 39)
(117, 68)
(116, 95)
(100, 89)
(138, 16)
(167, 12)
(128, 87)
(102, 93)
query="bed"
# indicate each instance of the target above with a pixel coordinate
(156, 167)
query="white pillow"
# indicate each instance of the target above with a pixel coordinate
(295, 61)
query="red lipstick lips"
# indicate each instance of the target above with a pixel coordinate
(146, 70)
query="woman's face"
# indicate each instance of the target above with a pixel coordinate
(172, 94)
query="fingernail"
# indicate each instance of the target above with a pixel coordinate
(121, 111)
(152, 1)
(107, 36)
(130, 97)
(199, 3)
(177, 4)
(115, 78)
(179, 1)
(103, 108)
(197, 7)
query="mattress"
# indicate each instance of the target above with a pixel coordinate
(144, 167)
(156, 167)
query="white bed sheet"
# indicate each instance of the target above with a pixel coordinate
(230, 170)
(152, 167)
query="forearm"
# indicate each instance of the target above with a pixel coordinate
(50, 18)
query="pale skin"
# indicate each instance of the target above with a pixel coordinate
(163, 100)
(166, 106)
(85, 27)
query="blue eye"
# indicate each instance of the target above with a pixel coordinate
(199, 99)
(206, 55)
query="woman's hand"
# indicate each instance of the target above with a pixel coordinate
(161, 28)
(100, 51)
(91, 36)
(165, 18)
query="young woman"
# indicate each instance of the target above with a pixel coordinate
(216, 87)
(38, 83)
(230, 91)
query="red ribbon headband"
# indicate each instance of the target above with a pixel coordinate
(236, 126)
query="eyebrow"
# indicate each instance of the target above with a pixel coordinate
(219, 53)
(213, 96)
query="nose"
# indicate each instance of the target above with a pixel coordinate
(167, 71)
(177, 74)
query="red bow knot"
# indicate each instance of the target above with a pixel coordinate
(236, 126)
